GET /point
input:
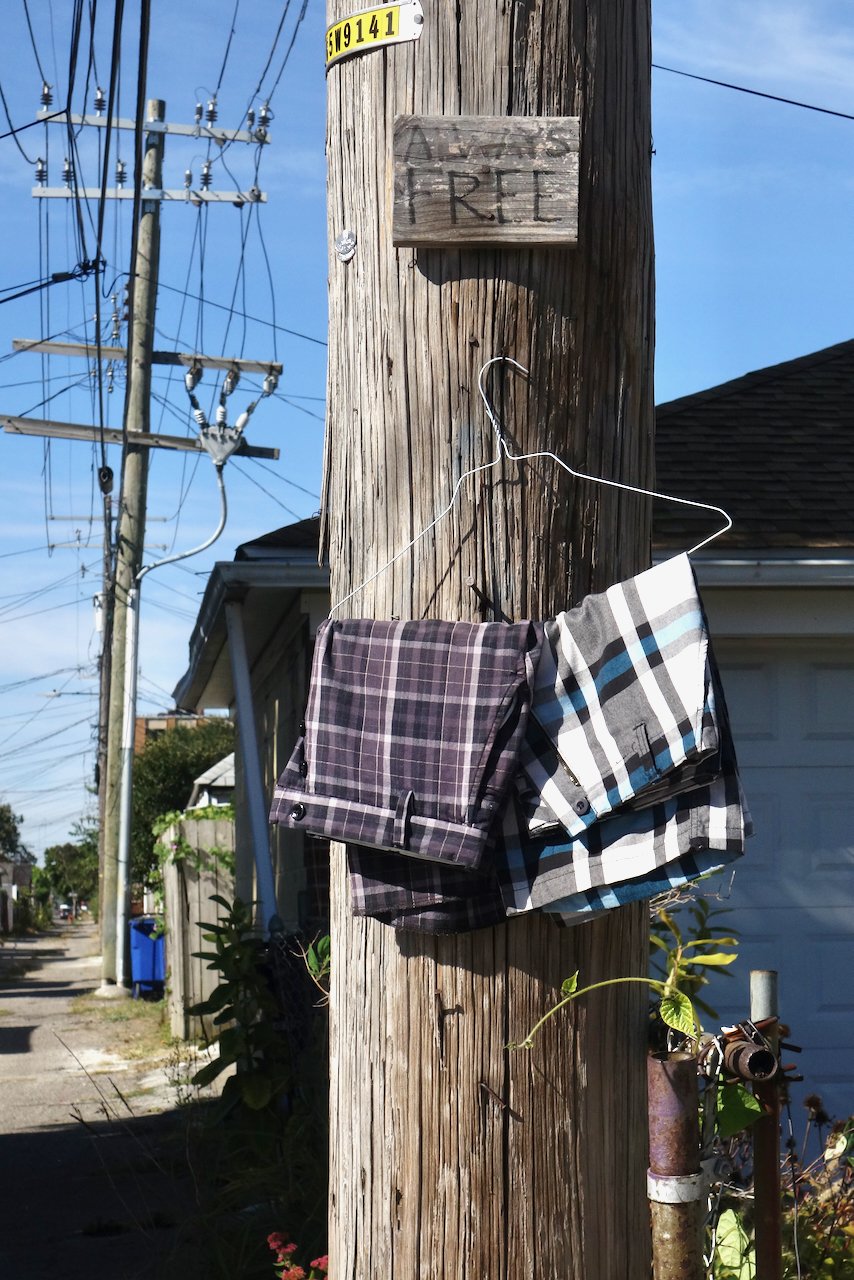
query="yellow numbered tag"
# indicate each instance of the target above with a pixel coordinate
(373, 28)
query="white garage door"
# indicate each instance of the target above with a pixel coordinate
(792, 709)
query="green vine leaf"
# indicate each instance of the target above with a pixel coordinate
(678, 1012)
(569, 986)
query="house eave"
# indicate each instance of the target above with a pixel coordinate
(803, 567)
(207, 681)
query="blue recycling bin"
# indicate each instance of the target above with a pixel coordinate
(147, 956)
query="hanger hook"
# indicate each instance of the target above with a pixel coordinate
(487, 403)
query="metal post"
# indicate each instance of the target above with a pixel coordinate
(675, 1183)
(126, 789)
(767, 1189)
(253, 776)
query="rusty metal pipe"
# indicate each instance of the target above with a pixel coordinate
(675, 1183)
(749, 1061)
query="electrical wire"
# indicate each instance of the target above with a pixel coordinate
(294, 333)
(270, 495)
(293, 484)
(227, 48)
(33, 42)
(756, 93)
(289, 49)
(21, 128)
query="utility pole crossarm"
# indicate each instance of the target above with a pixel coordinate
(113, 435)
(185, 358)
(222, 136)
(182, 195)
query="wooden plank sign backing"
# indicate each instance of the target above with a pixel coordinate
(478, 180)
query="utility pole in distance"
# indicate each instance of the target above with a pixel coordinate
(450, 1155)
(130, 533)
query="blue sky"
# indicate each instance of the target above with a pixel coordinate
(753, 210)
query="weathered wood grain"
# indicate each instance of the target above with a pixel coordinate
(478, 180)
(450, 1156)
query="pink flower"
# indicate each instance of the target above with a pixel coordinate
(285, 1250)
(294, 1273)
(275, 1240)
(321, 1263)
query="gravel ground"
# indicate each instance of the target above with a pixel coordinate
(92, 1183)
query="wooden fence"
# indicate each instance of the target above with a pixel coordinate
(190, 877)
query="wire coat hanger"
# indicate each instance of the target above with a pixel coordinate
(504, 450)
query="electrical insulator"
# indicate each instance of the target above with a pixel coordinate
(250, 119)
(230, 381)
(220, 415)
(211, 113)
(270, 383)
(206, 175)
(188, 178)
(200, 111)
(100, 101)
(265, 115)
(47, 96)
(121, 173)
(41, 172)
(193, 377)
(201, 420)
(240, 424)
(67, 172)
(98, 606)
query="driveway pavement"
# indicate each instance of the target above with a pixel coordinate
(92, 1187)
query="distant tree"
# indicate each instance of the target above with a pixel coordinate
(72, 867)
(163, 777)
(11, 847)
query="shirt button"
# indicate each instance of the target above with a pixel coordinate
(297, 812)
(301, 728)
(303, 768)
(581, 807)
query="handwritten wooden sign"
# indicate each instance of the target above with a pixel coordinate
(478, 180)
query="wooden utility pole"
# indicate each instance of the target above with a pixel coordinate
(451, 1156)
(131, 519)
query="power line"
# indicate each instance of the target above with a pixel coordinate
(33, 43)
(194, 297)
(756, 93)
(227, 48)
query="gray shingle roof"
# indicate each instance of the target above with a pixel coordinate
(774, 448)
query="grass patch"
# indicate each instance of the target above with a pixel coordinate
(136, 1029)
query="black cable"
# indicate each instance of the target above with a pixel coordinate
(227, 48)
(756, 93)
(13, 132)
(270, 495)
(33, 43)
(21, 128)
(115, 55)
(284, 479)
(294, 34)
(255, 319)
(271, 284)
(80, 272)
(77, 382)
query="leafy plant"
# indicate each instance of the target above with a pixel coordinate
(261, 1147)
(178, 849)
(244, 1006)
(680, 960)
(681, 955)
